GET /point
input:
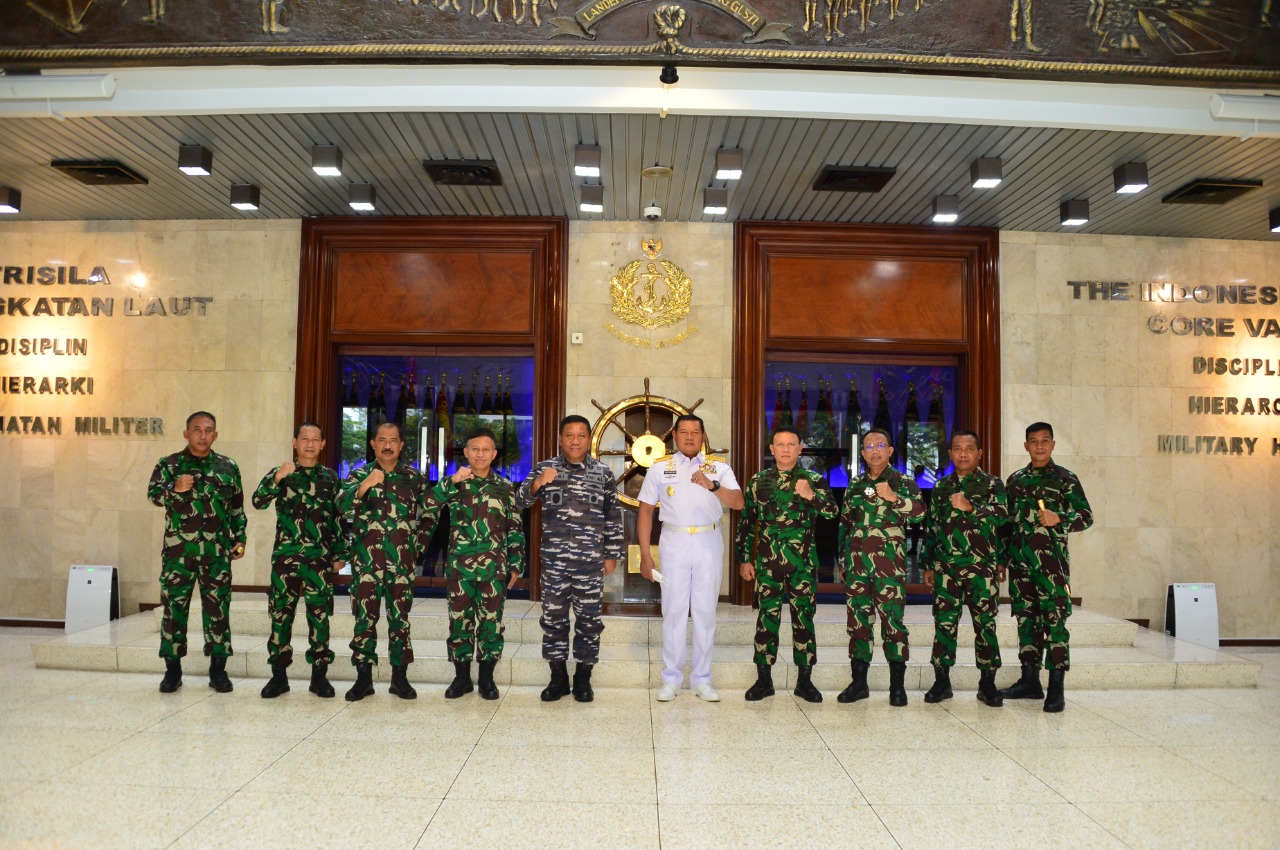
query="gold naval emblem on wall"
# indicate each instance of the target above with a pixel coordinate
(652, 294)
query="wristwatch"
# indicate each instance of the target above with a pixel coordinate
(715, 485)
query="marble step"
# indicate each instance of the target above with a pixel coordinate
(1150, 661)
(735, 625)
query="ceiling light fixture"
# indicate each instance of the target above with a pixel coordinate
(245, 196)
(592, 200)
(195, 160)
(715, 200)
(1275, 219)
(11, 201)
(586, 160)
(362, 196)
(57, 86)
(1074, 212)
(326, 160)
(986, 172)
(1130, 178)
(729, 164)
(946, 209)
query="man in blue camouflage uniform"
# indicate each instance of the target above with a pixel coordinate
(581, 544)
(960, 548)
(199, 490)
(309, 548)
(486, 557)
(1046, 502)
(385, 503)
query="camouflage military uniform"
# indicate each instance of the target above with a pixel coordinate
(961, 548)
(874, 560)
(775, 533)
(486, 545)
(308, 540)
(383, 552)
(202, 526)
(1039, 564)
(581, 528)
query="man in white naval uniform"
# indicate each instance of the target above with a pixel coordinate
(694, 489)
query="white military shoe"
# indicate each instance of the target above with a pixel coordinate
(668, 691)
(706, 692)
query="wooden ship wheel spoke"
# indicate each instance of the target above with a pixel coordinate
(647, 423)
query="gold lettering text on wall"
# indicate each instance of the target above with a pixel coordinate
(651, 294)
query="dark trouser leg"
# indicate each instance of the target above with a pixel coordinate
(588, 605)
(946, 617)
(769, 593)
(215, 606)
(555, 611)
(317, 594)
(286, 588)
(177, 581)
(399, 603)
(366, 601)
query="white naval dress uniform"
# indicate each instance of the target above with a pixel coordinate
(691, 557)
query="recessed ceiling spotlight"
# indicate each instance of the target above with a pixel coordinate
(946, 209)
(1130, 178)
(245, 196)
(715, 200)
(592, 200)
(586, 160)
(729, 164)
(11, 201)
(195, 160)
(1074, 212)
(362, 196)
(986, 172)
(326, 160)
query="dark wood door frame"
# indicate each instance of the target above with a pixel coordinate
(966, 260)
(540, 325)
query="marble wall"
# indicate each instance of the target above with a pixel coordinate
(75, 499)
(1112, 387)
(1109, 385)
(607, 369)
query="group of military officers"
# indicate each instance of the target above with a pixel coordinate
(380, 517)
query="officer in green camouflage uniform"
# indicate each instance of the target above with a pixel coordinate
(486, 556)
(775, 531)
(309, 548)
(384, 504)
(199, 490)
(878, 507)
(960, 550)
(1046, 502)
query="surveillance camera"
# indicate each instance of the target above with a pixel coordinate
(653, 213)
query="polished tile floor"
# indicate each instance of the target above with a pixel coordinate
(91, 760)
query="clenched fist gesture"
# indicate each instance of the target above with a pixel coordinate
(183, 483)
(286, 469)
(804, 489)
(545, 477)
(463, 473)
(884, 491)
(373, 479)
(961, 502)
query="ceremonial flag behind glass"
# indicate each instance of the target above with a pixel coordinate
(776, 419)
(910, 426)
(851, 434)
(802, 418)
(376, 413)
(883, 419)
(938, 426)
(442, 417)
(509, 415)
(824, 428)
(787, 421)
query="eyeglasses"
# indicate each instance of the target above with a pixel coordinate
(875, 447)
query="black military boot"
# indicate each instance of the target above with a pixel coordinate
(172, 675)
(1028, 687)
(279, 683)
(485, 684)
(858, 685)
(218, 674)
(987, 692)
(941, 685)
(400, 686)
(582, 683)
(320, 681)
(804, 686)
(897, 690)
(461, 683)
(364, 682)
(559, 685)
(1055, 701)
(764, 684)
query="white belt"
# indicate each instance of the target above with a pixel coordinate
(690, 529)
